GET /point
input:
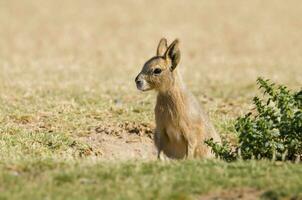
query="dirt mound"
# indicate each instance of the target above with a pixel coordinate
(122, 141)
(140, 129)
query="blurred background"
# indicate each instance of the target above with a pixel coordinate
(225, 41)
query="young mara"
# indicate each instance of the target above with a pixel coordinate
(181, 125)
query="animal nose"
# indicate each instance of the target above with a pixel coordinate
(137, 80)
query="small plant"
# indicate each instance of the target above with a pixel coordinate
(273, 131)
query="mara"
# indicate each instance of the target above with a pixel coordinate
(181, 125)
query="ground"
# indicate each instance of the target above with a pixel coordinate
(71, 117)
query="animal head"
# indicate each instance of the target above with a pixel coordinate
(158, 72)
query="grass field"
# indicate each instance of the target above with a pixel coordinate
(73, 125)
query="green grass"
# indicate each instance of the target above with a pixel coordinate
(54, 179)
(42, 156)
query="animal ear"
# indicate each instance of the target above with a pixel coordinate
(162, 47)
(173, 53)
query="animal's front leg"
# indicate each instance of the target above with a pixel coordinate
(161, 156)
(159, 140)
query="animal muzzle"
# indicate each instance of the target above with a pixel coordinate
(141, 83)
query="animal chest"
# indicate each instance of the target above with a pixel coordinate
(174, 134)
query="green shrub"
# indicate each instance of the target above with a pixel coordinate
(272, 131)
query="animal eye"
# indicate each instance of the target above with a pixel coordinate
(157, 71)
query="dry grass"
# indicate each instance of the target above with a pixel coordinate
(67, 68)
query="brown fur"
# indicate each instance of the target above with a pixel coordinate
(181, 126)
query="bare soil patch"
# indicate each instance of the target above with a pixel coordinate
(122, 141)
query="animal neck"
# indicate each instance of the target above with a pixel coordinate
(173, 98)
